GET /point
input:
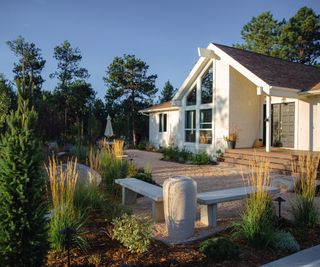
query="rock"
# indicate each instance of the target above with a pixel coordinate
(86, 174)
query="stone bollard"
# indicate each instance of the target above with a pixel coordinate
(180, 205)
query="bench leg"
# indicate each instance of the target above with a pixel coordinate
(157, 211)
(208, 214)
(128, 196)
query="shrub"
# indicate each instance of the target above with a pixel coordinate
(88, 197)
(285, 241)
(304, 210)
(133, 232)
(201, 158)
(146, 145)
(23, 230)
(80, 152)
(219, 249)
(258, 218)
(64, 213)
(117, 169)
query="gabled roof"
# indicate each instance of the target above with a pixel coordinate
(275, 71)
(159, 107)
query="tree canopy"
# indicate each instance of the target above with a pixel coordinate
(167, 92)
(68, 64)
(30, 64)
(129, 89)
(297, 39)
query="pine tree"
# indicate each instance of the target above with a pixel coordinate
(167, 92)
(23, 229)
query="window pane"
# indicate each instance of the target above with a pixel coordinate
(160, 123)
(190, 136)
(205, 118)
(205, 137)
(190, 120)
(206, 87)
(192, 97)
(164, 122)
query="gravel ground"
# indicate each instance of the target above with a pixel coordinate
(208, 178)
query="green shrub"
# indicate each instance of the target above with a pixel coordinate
(64, 217)
(201, 158)
(305, 213)
(118, 169)
(219, 249)
(304, 210)
(23, 205)
(285, 241)
(146, 145)
(257, 222)
(80, 152)
(88, 197)
(133, 232)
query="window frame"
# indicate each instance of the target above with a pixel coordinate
(163, 122)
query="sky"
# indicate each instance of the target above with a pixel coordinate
(163, 33)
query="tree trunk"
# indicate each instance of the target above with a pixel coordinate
(134, 141)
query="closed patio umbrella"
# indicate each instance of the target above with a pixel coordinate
(108, 132)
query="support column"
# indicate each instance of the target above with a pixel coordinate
(208, 214)
(268, 123)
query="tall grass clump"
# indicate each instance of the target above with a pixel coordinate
(304, 210)
(258, 217)
(64, 213)
(94, 160)
(117, 148)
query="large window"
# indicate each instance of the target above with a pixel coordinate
(205, 119)
(162, 122)
(206, 86)
(192, 97)
(190, 126)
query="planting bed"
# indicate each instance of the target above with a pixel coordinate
(107, 252)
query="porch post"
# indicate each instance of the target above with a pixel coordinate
(268, 123)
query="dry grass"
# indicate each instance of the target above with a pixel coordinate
(117, 148)
(307, 167)
(62, 182)
(256, 223)
(94, 160)
(259, 175)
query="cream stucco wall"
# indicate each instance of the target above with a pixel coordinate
(164, 139)
(245, 109)
(309, 123)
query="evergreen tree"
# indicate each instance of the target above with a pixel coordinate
(167, 93)
(30, 64)
(129, 89)
(261, 34)
(297, 40)
(300, 37)
(23, 229)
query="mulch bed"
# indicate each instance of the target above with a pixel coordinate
(108, 252)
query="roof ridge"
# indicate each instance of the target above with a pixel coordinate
(273, 57)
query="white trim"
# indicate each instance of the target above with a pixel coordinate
(311, 92)
(158, 110)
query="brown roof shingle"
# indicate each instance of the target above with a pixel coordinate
(275, 71)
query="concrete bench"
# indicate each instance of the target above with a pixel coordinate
(209, 200)
(308, 258)
(132, 186)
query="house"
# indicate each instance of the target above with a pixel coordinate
(266, 98)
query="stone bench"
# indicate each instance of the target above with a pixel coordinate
(132, 186)
(308, 258)
(209, 200)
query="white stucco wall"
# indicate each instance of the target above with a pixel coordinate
(309, 123)
(164, 139)
(245, 109)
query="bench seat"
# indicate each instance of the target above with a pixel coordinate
(209, 200)
(132, 186)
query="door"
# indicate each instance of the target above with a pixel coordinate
(283, 124)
